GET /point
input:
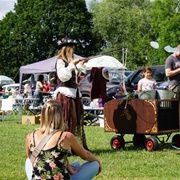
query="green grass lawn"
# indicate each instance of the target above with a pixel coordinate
(131, 163)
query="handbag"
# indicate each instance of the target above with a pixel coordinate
(29, 161)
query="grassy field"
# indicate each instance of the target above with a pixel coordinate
(131, 163)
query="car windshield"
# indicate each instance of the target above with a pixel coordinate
(157, 73)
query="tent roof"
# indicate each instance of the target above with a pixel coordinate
(44, 66)
(40, 67)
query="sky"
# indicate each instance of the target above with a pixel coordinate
(8, 5)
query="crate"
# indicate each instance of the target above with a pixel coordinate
(35, 119)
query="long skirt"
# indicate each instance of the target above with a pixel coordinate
(73, 116)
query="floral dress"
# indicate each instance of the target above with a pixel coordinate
(51, 164)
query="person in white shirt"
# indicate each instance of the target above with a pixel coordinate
(147, 82)
(27, 89)
(67, 94)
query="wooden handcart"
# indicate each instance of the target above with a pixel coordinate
(141, 117)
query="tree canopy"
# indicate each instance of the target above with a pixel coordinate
(165, 20)
(133, 24)
(31, 33)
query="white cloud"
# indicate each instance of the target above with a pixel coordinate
(6, 6)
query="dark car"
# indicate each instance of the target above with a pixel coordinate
(131, 82)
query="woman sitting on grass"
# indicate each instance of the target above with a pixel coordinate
(52, 163)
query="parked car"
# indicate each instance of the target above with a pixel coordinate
(9, 87)
(85, 86)
(131, 82)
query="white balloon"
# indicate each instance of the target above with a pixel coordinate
(154, 44)
(169, 49)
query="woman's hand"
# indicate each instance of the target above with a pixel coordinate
(74, 171)
(100, 168)
(76, 61)
(85, 60)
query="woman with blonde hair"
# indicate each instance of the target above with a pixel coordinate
(51, 162)
(68, 69)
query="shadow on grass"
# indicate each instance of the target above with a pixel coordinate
(162, 147)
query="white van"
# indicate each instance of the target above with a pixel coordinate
(9, 87)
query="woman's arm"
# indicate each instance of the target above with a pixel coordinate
(155, 84)
(80, 151)
(70, 169)
(64, 73)
(139, 86)
(81, 67)
(27, 146)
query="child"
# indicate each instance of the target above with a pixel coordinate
(147, 82)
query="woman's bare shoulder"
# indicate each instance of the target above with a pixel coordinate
(69, 134)
(29, 135)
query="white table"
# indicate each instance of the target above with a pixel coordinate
(17, 104)
(26, 104)
(92, 112)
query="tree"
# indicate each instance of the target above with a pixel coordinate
(165, 26)
(124, 23)
(30, 34)
(6, 56)
(134, 24)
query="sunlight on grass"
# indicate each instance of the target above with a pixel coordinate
(131, 163)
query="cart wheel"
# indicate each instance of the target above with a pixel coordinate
(151, 143)
(117, 142)
(176, 141)
(139, 140)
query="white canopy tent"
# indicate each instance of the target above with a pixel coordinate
(6, 80)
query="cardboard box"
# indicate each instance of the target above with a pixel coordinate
(31, 119)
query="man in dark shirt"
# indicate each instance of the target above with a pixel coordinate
(172, 70)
